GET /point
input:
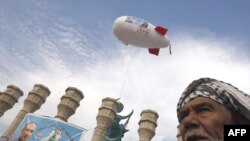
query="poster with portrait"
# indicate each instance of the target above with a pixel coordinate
(42, 128)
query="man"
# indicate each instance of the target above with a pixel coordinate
(207, 105)
(27, 131)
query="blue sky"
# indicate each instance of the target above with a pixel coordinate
(63, 43)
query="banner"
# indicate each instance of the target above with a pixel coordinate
(42, 128)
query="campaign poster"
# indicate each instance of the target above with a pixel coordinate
(42, 128)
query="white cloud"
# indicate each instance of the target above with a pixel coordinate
(60, 56)
(150, 83)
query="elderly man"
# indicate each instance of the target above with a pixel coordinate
(207, 105)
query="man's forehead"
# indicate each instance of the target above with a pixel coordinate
(197, 101)
(32, 125)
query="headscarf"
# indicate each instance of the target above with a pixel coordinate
(222, 92)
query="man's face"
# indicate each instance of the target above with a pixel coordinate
(203, 119)
(27, 131)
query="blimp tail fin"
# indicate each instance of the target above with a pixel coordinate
(154, 51)
(161, 30)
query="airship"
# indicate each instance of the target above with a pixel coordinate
(138, 32)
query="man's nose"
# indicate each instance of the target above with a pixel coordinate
(29, 133)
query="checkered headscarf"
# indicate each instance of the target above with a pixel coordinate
(224, 93)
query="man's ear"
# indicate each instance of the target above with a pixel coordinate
(240, 119)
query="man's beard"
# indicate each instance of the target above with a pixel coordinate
(196, 135)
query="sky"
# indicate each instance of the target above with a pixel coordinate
(64, 43)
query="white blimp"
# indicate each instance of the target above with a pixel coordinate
(141, 33)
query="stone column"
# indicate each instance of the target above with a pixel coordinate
(69, 102)
(9, 97)
(105, 118)
(147, 125)
(33, 102)
(179, 138)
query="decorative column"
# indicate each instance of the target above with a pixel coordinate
(33, 102)
(69, 102)
(105, 118)
(179, 138)
(147, 125)
(9, 97)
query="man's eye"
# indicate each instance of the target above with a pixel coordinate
(181, 116)
(204, 109)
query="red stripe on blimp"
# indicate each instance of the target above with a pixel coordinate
(161, 30)
(154, 51)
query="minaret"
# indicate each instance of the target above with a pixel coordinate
(179, 138)
(9, 98)
(33, 102)
(147, 125)
(69, 102)
(105, 118)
